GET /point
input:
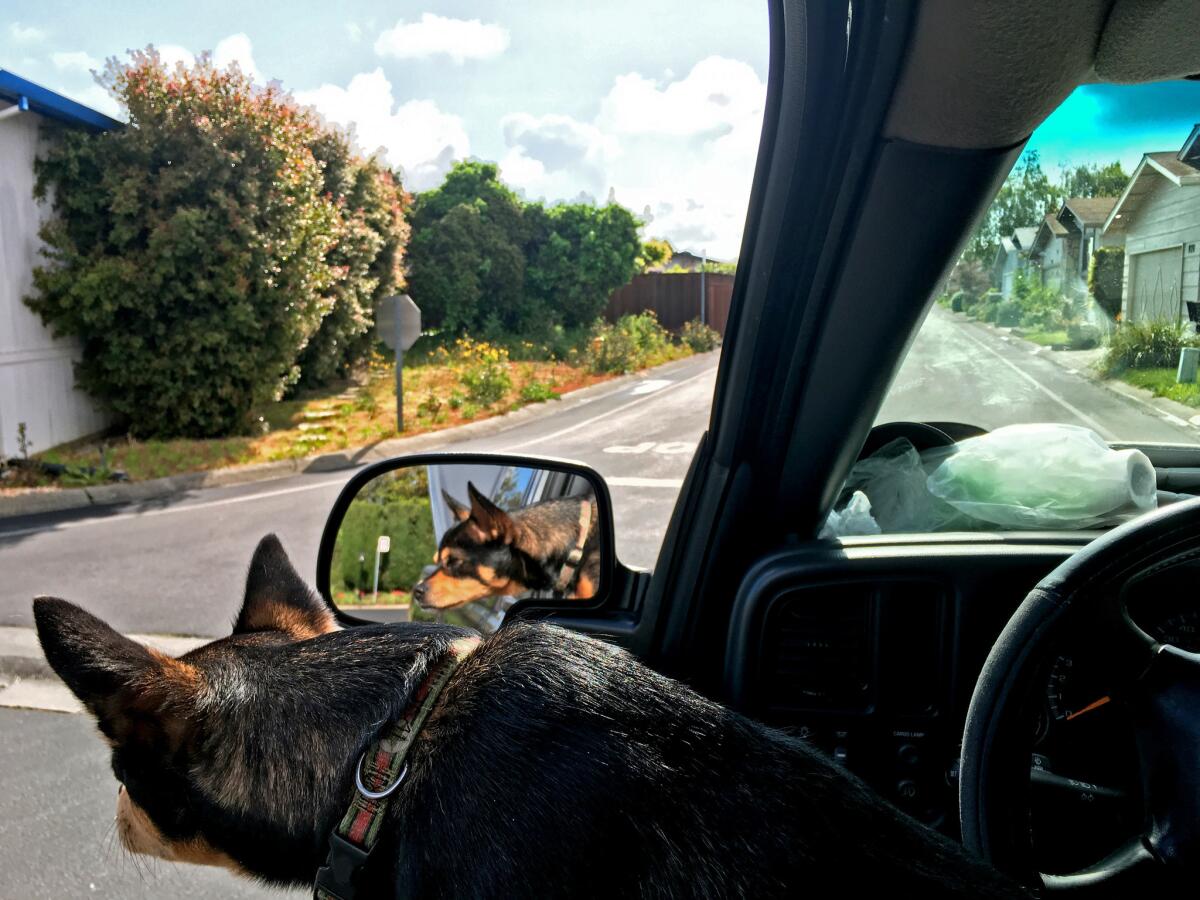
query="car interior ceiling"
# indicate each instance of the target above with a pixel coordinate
(869, 647)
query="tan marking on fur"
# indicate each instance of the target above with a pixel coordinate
(140, 835)
(585, 589)
(444, 591)
(297, 624)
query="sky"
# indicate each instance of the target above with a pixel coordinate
(656, 104)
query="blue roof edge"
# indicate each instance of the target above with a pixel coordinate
(46, 102)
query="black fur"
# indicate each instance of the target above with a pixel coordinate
(554, 766)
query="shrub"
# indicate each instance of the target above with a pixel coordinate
(1008, 314)
(483, 371)
(1105, 273)
(397, 506)
(1083, 336)
(1040, 306)
(956, 301)
(1146, 345)
(628, 344)
(538, 392)
(699, 337)
(191, 250)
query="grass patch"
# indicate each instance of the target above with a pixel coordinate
(1161, 382)
(1046, 338)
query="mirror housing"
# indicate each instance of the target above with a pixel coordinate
(607, 583)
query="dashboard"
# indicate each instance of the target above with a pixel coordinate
(870, 650)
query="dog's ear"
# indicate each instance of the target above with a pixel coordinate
(277, 599)
(133, 691)
(460, 511)
(494, 522)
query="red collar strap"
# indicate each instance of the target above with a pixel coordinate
(379, 771)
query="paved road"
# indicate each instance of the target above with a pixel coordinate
(959, 370)
(177, 566)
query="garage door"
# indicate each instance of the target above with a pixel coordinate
(1155, 288)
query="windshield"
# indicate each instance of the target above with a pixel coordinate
(1068, 321)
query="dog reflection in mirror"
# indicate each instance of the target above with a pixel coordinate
(550, 765)
(552, 546)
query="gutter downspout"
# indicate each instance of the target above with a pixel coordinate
(22, 105)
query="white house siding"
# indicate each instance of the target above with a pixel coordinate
(1169, 217)
(37, 383)
(1052, 264)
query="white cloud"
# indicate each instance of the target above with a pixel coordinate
(416, 136)
(171, 54)
(25, 34)
(684, 149)
(75, 61)
(237, 49)
(459, 39)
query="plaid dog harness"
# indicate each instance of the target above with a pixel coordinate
(380, 770)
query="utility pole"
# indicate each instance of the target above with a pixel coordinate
(703, 292)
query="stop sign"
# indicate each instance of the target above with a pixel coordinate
(398, 322)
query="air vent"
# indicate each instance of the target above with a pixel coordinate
(817, 650)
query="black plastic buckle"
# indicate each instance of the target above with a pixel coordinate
(341, 866)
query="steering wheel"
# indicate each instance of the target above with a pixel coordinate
(1159, 683)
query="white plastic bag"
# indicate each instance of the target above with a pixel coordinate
(1044, 476)
(854, 518)
(893, 478)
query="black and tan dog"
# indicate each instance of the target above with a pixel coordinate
(550, 765)
(552, 546)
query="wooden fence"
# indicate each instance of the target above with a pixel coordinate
(675, 298)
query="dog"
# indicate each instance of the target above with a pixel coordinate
(543, 764)
(552, 546)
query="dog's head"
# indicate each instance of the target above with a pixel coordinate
(479, 556)
(240, 753)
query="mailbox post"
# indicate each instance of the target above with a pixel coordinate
(398, 324)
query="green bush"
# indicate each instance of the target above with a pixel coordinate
(957, 303)
(1008, 314)
(538, 392)
(1105, 273)
(194, 252)
(699, 337)
(482, 371)
(1083, 336)
(395, 505)
(1039, 306)
(1146, 345)
(626, 345)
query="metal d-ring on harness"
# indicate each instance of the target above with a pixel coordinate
(379, 771)
(570, 569)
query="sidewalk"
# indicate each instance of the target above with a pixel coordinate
(46, 500)
(28, 682)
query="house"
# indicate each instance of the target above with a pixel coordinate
(1049, 250)
(682, 259)
(37, 381)
(1011, 256)
(1158, 217)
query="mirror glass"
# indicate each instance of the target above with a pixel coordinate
(462, 542)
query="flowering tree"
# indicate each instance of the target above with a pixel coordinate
(197, 251)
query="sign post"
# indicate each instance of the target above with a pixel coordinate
(382, 545)
(398, 324)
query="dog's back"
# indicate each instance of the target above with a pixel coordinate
(561, 767)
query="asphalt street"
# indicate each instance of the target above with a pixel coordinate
(177, 566)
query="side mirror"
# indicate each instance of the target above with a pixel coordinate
(464, 537)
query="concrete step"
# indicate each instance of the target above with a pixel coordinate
(39, 693)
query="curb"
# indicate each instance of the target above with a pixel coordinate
(21, 655)
(50, 500)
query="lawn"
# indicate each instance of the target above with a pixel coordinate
(357, 412)
(1046, 338)
(1162, 383)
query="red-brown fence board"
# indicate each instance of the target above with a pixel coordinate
(675, 298)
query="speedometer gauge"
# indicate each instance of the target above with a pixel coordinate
(1180, 628)
(1069, 696)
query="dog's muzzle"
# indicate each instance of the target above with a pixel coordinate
(419, 592)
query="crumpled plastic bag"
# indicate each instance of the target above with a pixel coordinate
(1043, 476)
(893, 478)
(854, 518)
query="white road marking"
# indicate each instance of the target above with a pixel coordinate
(106, 520)
(1172, 418)
(1074, 410)
(667, 448)
(634, 481)
(650, 385)
(707, 373)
